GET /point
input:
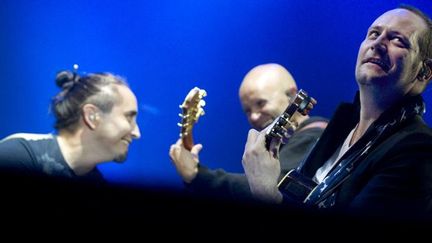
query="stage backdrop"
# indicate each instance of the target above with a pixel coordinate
(164, 48)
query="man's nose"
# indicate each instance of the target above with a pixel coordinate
(136, 132)
(380, 44)
(254, 116)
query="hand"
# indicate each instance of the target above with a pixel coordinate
(261, 168)
(185, 161)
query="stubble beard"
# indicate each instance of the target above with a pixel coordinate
(121, 157)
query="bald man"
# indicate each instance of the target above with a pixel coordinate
(264, 93)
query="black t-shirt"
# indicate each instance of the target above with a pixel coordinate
(39, 154)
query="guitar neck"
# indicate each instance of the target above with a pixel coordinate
(187, 140)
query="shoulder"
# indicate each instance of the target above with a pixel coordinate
(313, 127)
(31, 141)
(411, 143)
(414, 130)
(28, 137)
(313, 119)
(315, 122)
(23, 148)
(306, 134)
(18, 140)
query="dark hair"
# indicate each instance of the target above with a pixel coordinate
(80, 90)
(425, 40)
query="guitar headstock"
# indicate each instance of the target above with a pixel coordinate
(192, 109)
(283, 127)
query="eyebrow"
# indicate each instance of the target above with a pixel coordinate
(375, 27)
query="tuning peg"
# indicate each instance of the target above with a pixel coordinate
(313, 101)
(202, 93)
(202, 103)
(183, 134)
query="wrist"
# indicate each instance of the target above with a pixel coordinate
(189, 177)
(270, 195)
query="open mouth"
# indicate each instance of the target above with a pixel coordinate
(384, 65)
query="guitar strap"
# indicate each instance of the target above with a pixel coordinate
(324, 194)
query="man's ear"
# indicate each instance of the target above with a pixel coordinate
(423, 77)
(291, 92)
(90, 115)
(425, 73)
(428, 66)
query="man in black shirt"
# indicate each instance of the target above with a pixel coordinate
(96, 122)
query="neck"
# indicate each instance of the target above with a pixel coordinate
(72, 148)
(372, 104)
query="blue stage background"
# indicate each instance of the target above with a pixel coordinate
(166, 47)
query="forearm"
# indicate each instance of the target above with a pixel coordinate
(220, 183)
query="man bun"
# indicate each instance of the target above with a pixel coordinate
(65, 79)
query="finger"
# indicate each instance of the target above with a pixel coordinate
(260, 140)
(252, 136)
(172, 152)
(196, 149)
(195, 152)
(249, 145)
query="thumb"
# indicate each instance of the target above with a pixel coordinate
(252, 137)
(196, 149)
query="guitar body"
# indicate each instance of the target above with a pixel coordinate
(296, 185)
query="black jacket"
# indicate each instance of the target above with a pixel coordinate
(395, 175)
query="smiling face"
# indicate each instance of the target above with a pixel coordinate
(388, 58)
(265, 93)
(118, 128)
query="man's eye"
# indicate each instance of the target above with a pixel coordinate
(261, 103)
(400, 41)
(129, 118)
(373, 34)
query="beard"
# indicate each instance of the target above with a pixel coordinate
(121, 157)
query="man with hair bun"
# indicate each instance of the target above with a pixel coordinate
(95, 119)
